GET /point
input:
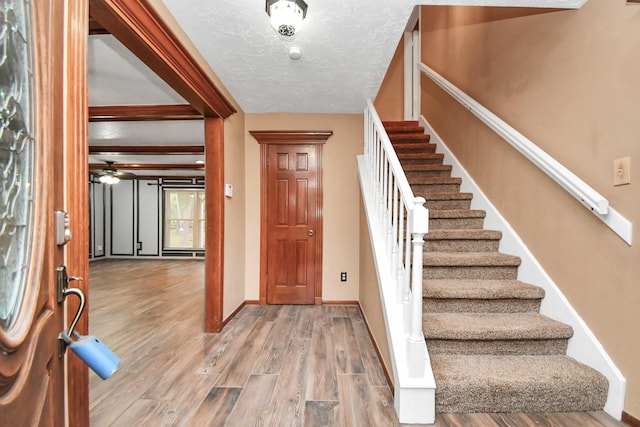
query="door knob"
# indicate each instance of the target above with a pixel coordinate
(310, 232)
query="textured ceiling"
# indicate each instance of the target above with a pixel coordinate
(346, 49)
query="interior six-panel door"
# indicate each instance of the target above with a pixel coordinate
(291, 212)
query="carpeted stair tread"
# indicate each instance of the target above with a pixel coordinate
(408, 137)
(445, 195)
(456, 213)
(462, 240)
(468, 259)
(489, 383)
(493, 326)
(420, 156)
(449, 219)
(458, 234)
(435, 180)
(414, 147)
(400, 123)
(427, 169)
(481, 289)
(405, 129)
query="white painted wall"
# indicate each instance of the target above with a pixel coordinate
(149, 217)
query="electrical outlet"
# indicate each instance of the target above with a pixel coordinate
(622, 171)
(343, 276)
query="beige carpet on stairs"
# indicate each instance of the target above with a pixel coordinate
(491, 350)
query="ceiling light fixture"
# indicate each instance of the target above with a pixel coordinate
(109, 179)
(286, 16)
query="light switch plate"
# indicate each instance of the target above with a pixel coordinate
(622, 171)
(228, 190)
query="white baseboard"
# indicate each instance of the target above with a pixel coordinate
(583, 346)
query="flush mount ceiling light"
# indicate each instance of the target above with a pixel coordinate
(286, 16)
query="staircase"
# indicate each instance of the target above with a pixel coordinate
(490, 348)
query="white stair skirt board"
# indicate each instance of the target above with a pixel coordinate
(583, 346)
(414, 398)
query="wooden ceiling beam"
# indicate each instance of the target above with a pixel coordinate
(128, 113)
(139, 27)
(157, 166)
(95, 27)
(146, 149)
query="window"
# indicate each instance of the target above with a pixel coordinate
(184, 219)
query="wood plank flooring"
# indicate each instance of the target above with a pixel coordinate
(270, 366)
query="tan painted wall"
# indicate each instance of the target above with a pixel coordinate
(568, 80)
(234, 209)
(389, 101)
(370, 296)
(341, 198)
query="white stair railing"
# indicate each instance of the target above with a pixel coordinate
(398, 222)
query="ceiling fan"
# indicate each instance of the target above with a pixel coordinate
(109, 174)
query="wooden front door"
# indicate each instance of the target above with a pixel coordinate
(291, 220)
(291, 224)
(36, 116)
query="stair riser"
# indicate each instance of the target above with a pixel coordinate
(414, 148)
(425, 189)
(399, 142)
(448, 305)
(499, 347)
(448, 204)
(473, 272)
(489, 398)
(455, 223)
(461, 245)
(428, 174)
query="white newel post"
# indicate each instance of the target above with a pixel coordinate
(416, 347)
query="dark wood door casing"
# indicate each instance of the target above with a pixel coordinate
(315, 139)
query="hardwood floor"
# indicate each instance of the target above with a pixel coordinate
(270, 366)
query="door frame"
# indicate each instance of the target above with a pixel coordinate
(152, 35)
(289, 137)
(76, 170)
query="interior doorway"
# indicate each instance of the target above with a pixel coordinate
(291, 216)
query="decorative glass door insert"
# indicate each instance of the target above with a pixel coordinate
(17, 159)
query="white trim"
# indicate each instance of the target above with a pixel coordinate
(417, 52)
(575, 186)
(583, 346)
(409, 91)
(411, 71)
